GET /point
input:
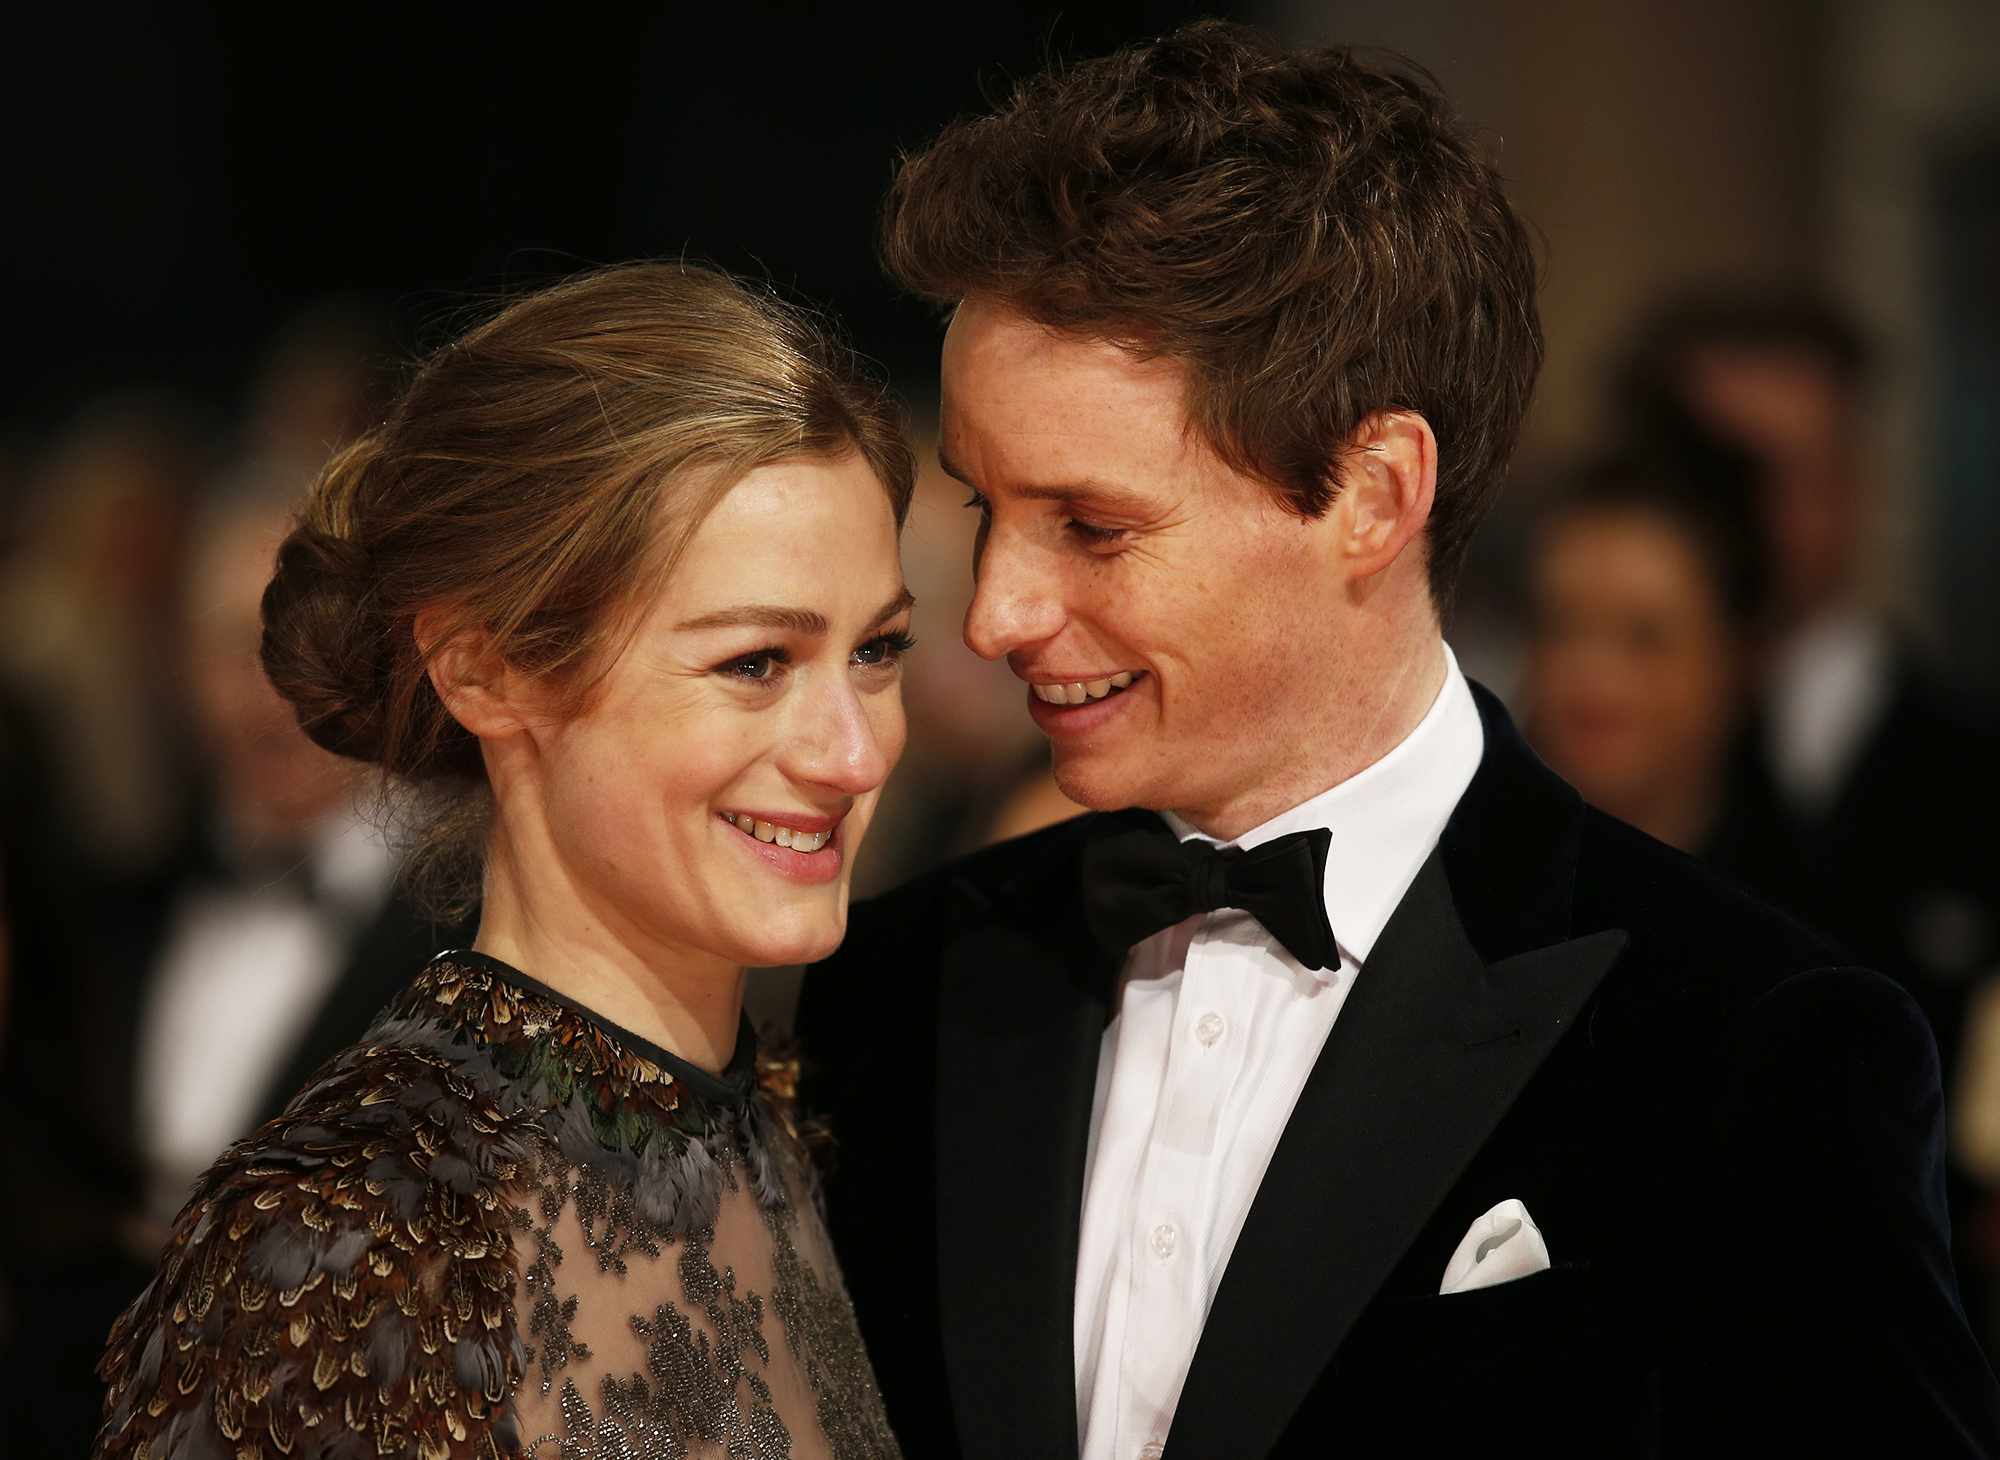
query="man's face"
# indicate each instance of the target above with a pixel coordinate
(1793, 413)
(274, 783)
(1178, 630)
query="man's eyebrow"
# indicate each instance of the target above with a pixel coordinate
(1102, 494)
(1092, 493)
(801, 621)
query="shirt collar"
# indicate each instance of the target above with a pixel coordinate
(1385, 819)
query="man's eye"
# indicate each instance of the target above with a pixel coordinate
(1091, 533)
(884, 649)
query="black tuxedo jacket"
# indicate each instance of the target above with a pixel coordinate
(1730, 1140)
(1900, 864)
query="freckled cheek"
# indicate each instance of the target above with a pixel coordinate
(1198, 638)
(1135, 629)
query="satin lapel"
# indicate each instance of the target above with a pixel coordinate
(1021, 1014)
(1429, 1052)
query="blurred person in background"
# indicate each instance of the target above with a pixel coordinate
(324, 379)
(282, 938)
(97, 805)
(87, 597)
(1886, 772)
(201, 1006)
(196, 914)
(1889, 773)
(1648, 577)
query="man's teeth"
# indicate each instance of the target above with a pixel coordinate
(1082, 690)
(784, 836)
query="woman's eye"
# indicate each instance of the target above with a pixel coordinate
(985, 507)
(758, 668)
(884, 649)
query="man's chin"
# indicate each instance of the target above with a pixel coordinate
(1102, 786)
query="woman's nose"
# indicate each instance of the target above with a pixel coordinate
(850, 741)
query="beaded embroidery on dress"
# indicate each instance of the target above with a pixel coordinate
(500, 1226)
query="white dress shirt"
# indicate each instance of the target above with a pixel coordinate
(1830, 683)
(242, 973)
(1216, 1029)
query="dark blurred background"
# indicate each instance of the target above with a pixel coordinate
(1741, 591)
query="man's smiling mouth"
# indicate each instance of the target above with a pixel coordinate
(1078, 692)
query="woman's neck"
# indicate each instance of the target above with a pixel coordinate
(687, 1001)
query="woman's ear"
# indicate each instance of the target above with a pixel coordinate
(477, 686)
(1388, 483)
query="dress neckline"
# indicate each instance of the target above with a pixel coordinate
(733, 1086)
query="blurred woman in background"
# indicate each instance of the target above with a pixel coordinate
(614, 595)
(1648, 579)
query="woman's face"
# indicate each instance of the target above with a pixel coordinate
(1634, 673)
(712, 794)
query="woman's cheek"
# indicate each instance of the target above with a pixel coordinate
(894, 734)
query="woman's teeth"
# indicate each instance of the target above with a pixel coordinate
(1078, 693)
(784, 836)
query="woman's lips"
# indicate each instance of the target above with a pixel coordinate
(809, 852)
(800, 833)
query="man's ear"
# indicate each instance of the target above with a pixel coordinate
(479, 689)
(1388, 483)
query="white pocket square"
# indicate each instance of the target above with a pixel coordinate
(1502, 1245)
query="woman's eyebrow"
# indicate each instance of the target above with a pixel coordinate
(903, 599)
(802, 621)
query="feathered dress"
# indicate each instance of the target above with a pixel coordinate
(501, 1226)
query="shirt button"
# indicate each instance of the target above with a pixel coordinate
(1152, 1451)
(1165, 1239)
(1209, 1028)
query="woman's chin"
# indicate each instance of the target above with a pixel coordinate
(783, 947)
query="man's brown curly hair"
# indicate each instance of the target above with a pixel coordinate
(1314, 237)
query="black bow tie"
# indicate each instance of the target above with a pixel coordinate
(1139, 881)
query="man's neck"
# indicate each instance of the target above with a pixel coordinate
(1375, 721)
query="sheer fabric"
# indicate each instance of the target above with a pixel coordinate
(501, 1226)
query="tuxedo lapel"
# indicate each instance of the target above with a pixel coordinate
(1427, 1056)
(1468, 990)
(1022, 1010)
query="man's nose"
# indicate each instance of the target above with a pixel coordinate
(1016, 599)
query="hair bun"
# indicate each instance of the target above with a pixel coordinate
(322, 646)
